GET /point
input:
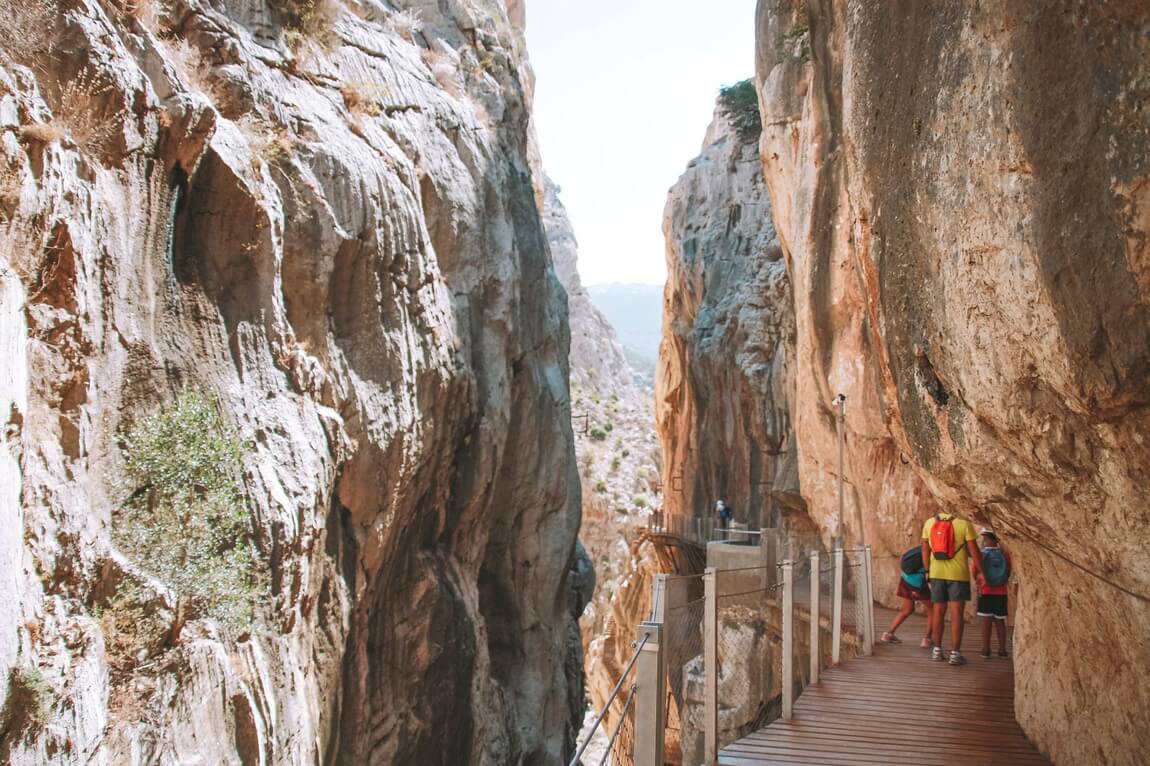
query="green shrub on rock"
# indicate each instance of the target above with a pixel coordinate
(739, 103)
(28, 707)
(188, 522)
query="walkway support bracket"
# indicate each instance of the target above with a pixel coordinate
(650, 715)
(788, 639)
(710, 667)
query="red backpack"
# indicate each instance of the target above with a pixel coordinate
(942, 539)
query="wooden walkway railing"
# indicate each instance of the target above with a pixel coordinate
(897, 706)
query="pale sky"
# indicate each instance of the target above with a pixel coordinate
(624, 92)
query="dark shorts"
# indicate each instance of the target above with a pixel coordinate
(992, 605)
(914, 594)
(943, 591)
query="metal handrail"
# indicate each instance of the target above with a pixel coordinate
(618, 726)
(611, 698)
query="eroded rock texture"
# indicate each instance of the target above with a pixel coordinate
(335, 232)
(961, 193)
(724, 387)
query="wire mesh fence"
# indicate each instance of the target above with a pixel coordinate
(749, 651)
(684, 662)
(801, 645)
(855, 607)
(826, 609)
(622, 744)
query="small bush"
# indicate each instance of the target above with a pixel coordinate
(639, 501)
(615, 463)
(42, 132)
(364, 98)
(308, 20)
(28, 707)
(407, 24)
(598, 434)
(267, 143)
(739, 103)
(29, 30)
(188, 521)
(609, 427)
(601, 487)
(626, 453)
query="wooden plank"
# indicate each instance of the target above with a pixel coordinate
(867, 712)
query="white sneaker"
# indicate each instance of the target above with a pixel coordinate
(936, 654)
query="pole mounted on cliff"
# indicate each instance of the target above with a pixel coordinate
(841, 402)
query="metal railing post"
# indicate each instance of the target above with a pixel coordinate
(710, 667)
(659, 598)
(837, 616)
(868, 605)
(650, 716)
(788, 639)
(816, 656)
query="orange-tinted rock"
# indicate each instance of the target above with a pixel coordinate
(957, 190)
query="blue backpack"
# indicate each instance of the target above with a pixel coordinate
(912, 561)
(994, 566)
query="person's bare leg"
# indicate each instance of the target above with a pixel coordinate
(1000, 629)
(956, 624)
(986, 633)
(906, 610)
(938, 619)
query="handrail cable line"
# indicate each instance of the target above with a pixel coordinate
(741, 569)
(618, 726)
(1072, 562)
(610, 698)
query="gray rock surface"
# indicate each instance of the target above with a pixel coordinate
(725, 387)
(336, 233)
(961, 193)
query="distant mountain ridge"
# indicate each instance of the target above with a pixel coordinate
(636, 311)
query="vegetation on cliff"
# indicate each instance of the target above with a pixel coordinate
(188, 520)
(739, 103)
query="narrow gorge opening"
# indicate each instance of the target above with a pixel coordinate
(543, 384)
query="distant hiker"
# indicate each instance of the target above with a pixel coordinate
(724, 513)
(949, 557)
(911, 588)
(992, 581)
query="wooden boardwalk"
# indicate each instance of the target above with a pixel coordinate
(899, 707)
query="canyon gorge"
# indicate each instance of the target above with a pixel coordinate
(293, 267)
(322, 219)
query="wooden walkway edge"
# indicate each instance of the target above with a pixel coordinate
(897, 707)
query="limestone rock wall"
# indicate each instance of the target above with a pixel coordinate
(725, 384)
(325, 215)
(960, 191)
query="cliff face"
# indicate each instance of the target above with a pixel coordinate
(324, 217)
(725, 383)
(961, 193)
(597, 360)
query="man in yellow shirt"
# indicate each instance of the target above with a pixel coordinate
(947, 555)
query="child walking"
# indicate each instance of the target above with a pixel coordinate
(992, 580)
(911, 588)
